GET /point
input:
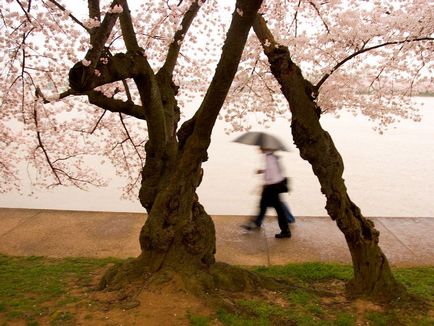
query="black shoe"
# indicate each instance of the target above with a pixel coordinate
(282, 235)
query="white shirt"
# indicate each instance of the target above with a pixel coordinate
(272, 172)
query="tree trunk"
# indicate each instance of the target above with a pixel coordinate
(178, 233)
(372, 274)
(178, 237)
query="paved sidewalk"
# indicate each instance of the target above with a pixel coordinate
(54, 233)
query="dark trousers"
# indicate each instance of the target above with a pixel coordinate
(270, 198)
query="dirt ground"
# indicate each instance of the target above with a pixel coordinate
(165, 307)
(168, 305)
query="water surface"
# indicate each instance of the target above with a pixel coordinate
(386, 175)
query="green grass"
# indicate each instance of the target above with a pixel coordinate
(198, 320)
(309, 272)
(318, 298)
(419, 281)
(28, 283)
(32, 288)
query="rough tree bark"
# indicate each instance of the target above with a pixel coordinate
(372, 273)
(178, 236)
(178, 233)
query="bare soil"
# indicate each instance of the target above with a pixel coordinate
(168, 305)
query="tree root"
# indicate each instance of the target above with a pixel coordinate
(381, 293)
(130, 279)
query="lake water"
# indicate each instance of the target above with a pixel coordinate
(386, 175)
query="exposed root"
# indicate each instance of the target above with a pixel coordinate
(130, 279)
(381, 292)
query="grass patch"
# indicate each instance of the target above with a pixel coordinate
(28, 284)
(198, 320)
(41, 291)
(308, 272)
(319, 298)
(419, 281)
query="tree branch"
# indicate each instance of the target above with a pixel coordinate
(363, 50)
(127, 27)
(114, 105)
(58, 5)
(175, 46)
(24, 10)
(94, 13)
(118, 67)
(127, 133)
(102, 35)
(242, 20)
(319, 15)
(42, 147)
(263, 34)
(295, 18)
(270, 46)
(94, 9)
(150, 98)
(97, 123)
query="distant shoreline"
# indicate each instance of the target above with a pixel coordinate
(112, 212)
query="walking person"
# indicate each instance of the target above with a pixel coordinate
(273, 182)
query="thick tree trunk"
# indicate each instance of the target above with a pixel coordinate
(178, 233)
(372, 274)
(178, 236)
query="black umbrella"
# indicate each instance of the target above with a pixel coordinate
(261, 139)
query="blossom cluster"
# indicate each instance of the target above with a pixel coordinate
(367, 52)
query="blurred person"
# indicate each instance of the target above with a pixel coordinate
(274, 184)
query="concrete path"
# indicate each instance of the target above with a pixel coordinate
(53, 233)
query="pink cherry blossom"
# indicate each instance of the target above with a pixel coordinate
(367, 57)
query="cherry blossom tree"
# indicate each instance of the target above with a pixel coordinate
(71, 82)
(412, 41)
(113, 81)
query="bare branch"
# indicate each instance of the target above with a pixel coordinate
(127, 90)
(127, 133)
(113, 105)
(98, 121)
(56, 171)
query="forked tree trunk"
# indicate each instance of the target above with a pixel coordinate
(372, 274)
(178, 232)
(178, 235)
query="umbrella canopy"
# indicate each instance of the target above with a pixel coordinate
(261, 139)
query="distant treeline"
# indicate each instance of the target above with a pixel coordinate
(426, 94)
